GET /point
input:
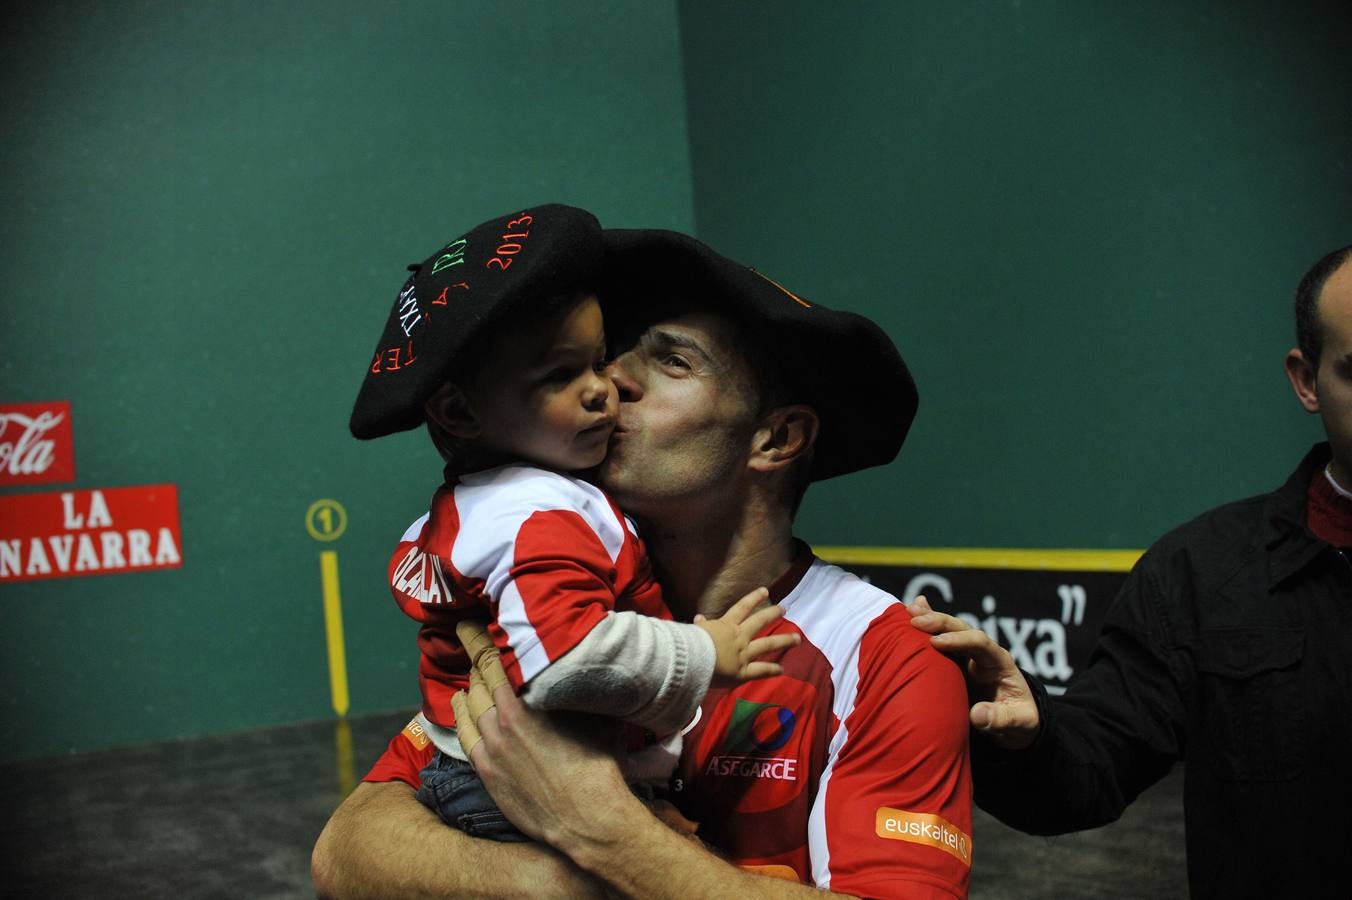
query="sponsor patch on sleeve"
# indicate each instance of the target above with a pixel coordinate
(415, 734)
(924, 828)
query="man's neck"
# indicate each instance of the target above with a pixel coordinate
(708, 562)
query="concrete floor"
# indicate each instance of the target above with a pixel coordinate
(236, 816)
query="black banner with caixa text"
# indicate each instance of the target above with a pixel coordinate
(1048, 619)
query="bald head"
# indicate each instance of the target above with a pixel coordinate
(1309, 326)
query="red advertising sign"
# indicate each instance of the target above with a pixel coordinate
(36, 446)
(96, 532)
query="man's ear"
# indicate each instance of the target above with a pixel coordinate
(785, 434)
(1302, 375)
(450, 411)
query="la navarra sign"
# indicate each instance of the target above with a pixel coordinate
(92, 532)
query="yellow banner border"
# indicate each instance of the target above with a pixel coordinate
(983, 558)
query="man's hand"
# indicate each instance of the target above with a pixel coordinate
(1004, 707)
(556, 777)
(553, 774)
(736, 647)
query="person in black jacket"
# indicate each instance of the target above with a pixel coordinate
(1229, 648)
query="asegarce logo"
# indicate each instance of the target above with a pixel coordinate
(755, 731)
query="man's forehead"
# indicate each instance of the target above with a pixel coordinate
(709, 330)
(1335, 298)
(710, 334)
(1339, 283)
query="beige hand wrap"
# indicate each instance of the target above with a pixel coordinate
(485, 676)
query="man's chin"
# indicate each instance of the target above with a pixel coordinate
(607, 471)
(612, 477)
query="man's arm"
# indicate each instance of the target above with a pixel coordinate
(650, 860)
(381, 842)
(556, 783)
(1089, 753)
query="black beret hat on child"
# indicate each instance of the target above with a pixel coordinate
(473, 284)
(840, 363)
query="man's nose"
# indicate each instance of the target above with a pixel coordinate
(626, 384)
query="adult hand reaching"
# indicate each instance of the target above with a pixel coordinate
(1004, 708)
(554, 775)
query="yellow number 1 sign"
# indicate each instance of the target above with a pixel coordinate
(326, 520)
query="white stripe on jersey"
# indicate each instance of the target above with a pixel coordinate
(415, 529)
(493, 505)
(833, 609)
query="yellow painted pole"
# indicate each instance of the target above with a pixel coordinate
(342, 745)
(333, 630)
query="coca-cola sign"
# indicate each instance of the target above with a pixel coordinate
(36, 446)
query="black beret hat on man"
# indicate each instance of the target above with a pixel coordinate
(841, 364)
(474, 284)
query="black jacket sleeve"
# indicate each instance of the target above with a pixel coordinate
(1118, 729)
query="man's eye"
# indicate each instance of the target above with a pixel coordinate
(675, 361)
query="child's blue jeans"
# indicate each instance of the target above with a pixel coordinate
(452, 789)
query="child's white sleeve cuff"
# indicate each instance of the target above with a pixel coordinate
(647, 671)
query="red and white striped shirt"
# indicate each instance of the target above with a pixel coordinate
(546, 559)
(849, 771)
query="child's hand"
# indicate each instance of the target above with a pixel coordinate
(736, 646)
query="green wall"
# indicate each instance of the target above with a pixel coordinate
(1083, 226)
(208, 212)
(1082, 222)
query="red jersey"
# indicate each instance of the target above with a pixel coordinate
(850, 769)
(541, 556)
